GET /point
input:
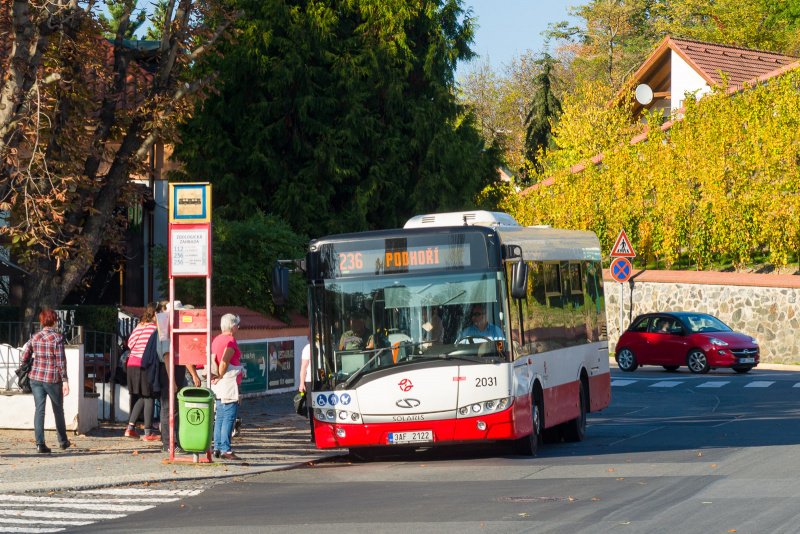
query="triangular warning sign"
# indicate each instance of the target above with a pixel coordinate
(622, 247)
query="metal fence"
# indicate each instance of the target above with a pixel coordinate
(100, 370)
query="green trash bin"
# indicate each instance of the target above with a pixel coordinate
(196, 416)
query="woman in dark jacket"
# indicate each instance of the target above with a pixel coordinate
(48, 377)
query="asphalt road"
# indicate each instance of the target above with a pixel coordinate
(674, 452)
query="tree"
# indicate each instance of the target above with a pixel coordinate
(118, 9)
(545, 108)
(340, 116)
(587, 126)
(612, 40)
(160, 16)
(760, 24)
(78, 115)
(500, 102)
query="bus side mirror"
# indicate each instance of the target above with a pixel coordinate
(519, 280)
(280, 285)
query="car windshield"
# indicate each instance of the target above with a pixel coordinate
(704, 323)
(380, 323)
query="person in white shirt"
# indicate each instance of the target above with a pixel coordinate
(305, 383)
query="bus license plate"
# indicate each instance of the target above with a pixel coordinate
(747, 360)
(418, 436)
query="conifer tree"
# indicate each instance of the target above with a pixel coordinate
(340, 116)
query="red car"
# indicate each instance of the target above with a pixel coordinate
(697, 340)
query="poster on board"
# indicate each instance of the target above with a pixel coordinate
(280, 372)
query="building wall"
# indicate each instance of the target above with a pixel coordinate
(766, 307)
(685, 80)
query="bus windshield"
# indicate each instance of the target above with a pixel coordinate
(384, 322)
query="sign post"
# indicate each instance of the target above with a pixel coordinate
(189, 254)
(621, 269)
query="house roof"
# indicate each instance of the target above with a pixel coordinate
(742, 66)
(711, 61)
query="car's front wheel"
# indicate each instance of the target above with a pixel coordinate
(697, 362)
(626, 360)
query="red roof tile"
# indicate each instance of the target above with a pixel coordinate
(740, 65)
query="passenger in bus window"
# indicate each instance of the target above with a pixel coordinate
(356, 338)
(433, 329)
(481, 327)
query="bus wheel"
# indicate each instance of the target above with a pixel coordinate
(575, 430)
(529, 445)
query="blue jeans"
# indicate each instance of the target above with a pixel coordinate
(42, 390)
(223, 425)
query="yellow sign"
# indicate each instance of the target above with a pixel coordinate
(189, 203)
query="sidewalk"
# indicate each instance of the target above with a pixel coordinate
(272, 437)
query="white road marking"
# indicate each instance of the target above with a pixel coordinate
(30, 530)
(666, 384)
(85, 505)
(796, 385)
(15, 521)
(56, 515)
(715, 384)
(31, 498)
(619, 382)
(759, 384)
(142, 491)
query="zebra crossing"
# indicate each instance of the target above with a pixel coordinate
(24, 513)
(711, 384)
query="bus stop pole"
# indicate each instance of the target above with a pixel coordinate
(621, 306)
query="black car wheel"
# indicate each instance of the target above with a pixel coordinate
(626, 360)
(697, 362)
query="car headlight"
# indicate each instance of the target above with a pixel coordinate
(754, 340)
(718, 342)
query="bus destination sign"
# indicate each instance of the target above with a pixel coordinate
(391, 260)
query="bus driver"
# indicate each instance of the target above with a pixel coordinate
(481, 327)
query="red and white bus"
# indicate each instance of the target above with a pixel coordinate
(459, 328)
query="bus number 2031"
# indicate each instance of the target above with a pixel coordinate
(485, 382)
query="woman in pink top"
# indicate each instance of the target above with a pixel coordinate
(226, 353)
(139, 388)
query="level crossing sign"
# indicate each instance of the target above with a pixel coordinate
(622, 247)
(621, 269)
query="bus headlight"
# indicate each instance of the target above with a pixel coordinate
(485, 407)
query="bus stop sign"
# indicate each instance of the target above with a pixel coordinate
(621, 270)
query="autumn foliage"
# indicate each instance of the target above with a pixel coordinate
(720, 185)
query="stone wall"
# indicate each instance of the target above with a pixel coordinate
(764, 306)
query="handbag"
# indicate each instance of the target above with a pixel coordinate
(22, 372)
(300, 404)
